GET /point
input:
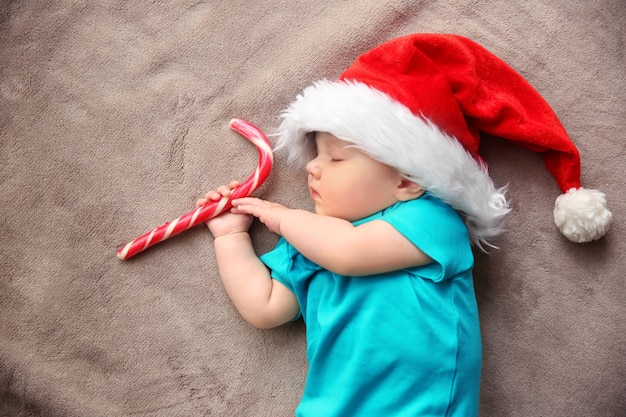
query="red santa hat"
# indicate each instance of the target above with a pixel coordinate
(419, 102)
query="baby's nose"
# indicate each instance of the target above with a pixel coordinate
(313, 168)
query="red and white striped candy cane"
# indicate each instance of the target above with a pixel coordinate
(213, 208)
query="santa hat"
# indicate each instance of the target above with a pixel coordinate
(418, 103)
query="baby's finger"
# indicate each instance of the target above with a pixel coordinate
(235, 210)
(249, 205)
(239, 207)
(224, 191)
(213, 196)
(248, 201)
(210, 196)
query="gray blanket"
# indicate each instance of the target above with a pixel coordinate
(114, 119)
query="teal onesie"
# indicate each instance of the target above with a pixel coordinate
(404, 343)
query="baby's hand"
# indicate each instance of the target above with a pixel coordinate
(216, 195)
(270, 214)
(225, 223)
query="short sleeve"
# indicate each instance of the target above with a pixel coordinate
(290, 268)
(437, 230)
(279, 261)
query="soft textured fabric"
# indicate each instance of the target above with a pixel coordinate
(463, 88)
(404, 343)
(114, 119)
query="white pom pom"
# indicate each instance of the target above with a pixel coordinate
(581, 215)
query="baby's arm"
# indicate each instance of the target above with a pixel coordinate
(335, 244)
(261, 300)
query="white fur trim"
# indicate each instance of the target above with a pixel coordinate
(390, 133)
(581, 215)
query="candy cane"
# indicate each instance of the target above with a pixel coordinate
(212, 208)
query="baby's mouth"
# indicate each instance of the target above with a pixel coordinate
(315, 196)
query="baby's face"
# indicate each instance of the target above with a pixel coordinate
(346, 183)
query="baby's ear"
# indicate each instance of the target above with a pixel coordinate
(408, 190)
